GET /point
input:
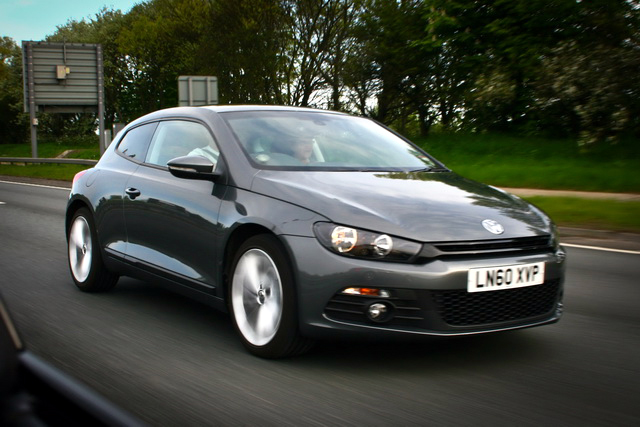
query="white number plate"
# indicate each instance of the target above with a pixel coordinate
(505, 277)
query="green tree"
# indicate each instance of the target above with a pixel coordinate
(535, 66)
(599, 88)
(245, 45)
(541, 66)
(388, 32)
(320, 41)
(498, 46)
(159, 41)
(340, 47)
(13, 123)
(592, 78)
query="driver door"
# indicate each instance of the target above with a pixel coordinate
(172, 223)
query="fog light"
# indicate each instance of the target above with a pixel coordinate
(379, 312)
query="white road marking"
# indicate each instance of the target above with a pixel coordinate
(3, 203)
(35, 185)
(597, 248)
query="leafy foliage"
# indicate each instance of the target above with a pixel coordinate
(13, 125)
(560, 68)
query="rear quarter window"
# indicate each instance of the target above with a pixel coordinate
(135, 142)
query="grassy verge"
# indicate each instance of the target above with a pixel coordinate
(526, 162)
(589, 213)
(51, 150)
(500, 160)
(45, 171)
(48, 150)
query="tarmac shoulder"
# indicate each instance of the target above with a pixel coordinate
(528, 192)
(36, 181)
(600, 238)
(589, 237)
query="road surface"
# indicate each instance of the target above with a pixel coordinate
(172, 361)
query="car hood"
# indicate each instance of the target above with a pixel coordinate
(423, 206)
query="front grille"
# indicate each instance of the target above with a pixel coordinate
(461, 308)
(484, 247)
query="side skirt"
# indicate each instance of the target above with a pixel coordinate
(178, 284)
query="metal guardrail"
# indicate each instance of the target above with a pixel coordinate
(43, 160)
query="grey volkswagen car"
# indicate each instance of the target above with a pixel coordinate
(306, 223)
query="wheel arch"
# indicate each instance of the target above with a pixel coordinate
(285, 339)
(72, 208)
(241, 234)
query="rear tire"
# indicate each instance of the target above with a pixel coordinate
(84, 254)
(262, 299)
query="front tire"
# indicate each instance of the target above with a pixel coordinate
(85, 260)
(262, 299)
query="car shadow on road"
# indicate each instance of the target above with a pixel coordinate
(148, 299)
(500, 348)
(208, 324)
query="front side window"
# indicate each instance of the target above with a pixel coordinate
(327, 141)
(136, 141)
(177, 138)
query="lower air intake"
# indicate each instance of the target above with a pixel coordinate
(461, 308)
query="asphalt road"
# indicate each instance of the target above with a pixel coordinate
(172, 361)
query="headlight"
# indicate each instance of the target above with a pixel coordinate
(358, 243)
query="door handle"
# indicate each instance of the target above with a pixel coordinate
(132, 193)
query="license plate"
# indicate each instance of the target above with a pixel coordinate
(505, 277)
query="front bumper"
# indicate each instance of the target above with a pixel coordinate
(427, 299)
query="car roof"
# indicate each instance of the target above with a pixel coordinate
(203, 110)
(229, 108)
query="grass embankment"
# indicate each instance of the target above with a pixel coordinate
(614, 215)
(526, 162)
(500, 160)
(62, 172)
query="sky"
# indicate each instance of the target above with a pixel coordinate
(36, 19)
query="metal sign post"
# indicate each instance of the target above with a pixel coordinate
(101, 134)
(30, 93)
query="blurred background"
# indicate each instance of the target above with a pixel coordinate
(548, 68)
(515, 93)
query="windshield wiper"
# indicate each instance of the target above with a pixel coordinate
(431, 169)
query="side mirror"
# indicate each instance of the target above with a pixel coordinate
(193, 167)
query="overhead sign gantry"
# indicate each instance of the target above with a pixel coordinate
(62, 78)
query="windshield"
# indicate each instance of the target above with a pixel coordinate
(315, 140)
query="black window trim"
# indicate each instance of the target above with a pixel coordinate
(157, 122)
(124, 155)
